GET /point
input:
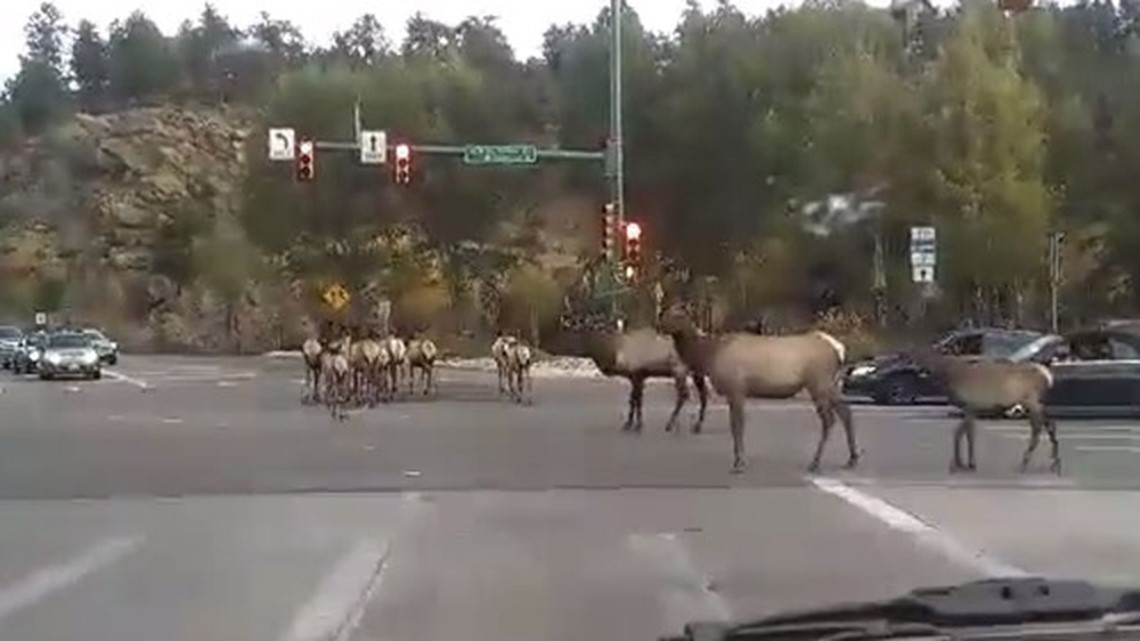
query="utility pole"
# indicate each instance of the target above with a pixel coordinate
(617, 187)
(1055, 238)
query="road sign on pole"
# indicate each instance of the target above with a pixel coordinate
(336, 296)
(500, 154)
(373, 147)
(923, 253)
(281, 143)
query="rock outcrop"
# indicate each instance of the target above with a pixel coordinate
(96, 214)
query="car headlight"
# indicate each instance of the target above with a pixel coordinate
(862, 370)
(34, 355)
(89, 357)
(52, 358)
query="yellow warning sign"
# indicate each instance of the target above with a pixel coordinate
(336, 296)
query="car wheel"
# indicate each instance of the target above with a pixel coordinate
(44, 376)
(113, 360)
(901, 390)
(96, 375)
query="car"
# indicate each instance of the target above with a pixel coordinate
(107, 349)
(1096, 371)
(28, 353)
(69, 354)
(895, 379)
(10, 336)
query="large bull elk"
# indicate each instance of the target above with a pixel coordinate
(422, 353)
(742, 366)
(975, 387)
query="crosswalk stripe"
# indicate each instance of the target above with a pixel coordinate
(54, 578)
(336, 607)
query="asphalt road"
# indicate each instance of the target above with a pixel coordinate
(191, 498)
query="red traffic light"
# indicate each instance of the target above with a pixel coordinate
(632, 231)
(306, 161)
(403, 171)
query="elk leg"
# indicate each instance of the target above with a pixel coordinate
(637, 399)
(1051, 428)
(630, 401)
(681, 385)
(736, 424)
(430, 374)
(530, 387)
(971, 430)
(841, 409)
(702, 394)
(823, 409)
(956, 463)
(1036, 421)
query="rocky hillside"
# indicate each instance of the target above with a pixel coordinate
(96, 213)
(132, 221)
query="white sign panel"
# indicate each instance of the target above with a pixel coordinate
(41, 318)
(920, 234)
(923, 259)
(281, 143)
(922, 274)
(373, 147)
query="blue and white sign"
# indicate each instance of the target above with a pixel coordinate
(923, 253)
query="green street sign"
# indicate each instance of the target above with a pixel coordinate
(500, 154)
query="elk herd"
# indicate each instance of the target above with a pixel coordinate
(367, 370)
(739, 366)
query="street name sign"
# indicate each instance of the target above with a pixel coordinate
(500, 154)
(923, 253)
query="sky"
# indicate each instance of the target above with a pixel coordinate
(523, 21)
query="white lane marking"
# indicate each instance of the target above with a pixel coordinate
(172, 421)
(227, 384)
(686, 595)
(925, 534)
(335, 609)
(127, 379)
(1076, 437)
(1131, 449)
(46, 580)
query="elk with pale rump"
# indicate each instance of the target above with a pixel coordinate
(421, 356)
(975, 387)
(743, 365)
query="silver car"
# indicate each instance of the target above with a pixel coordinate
(107, 349)
(9, 343)
(69, 354)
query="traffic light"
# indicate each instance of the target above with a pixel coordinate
(306, 160)
(633, 244)
(403, 170)
(609, 229)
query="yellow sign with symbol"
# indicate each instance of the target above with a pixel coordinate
(336, 296)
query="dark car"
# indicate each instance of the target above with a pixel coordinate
(895, 379)
(1096, 372)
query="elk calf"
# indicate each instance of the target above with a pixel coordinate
(520, 358)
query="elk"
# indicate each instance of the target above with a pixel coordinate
(499, 350)
(311, 351)
(744, 365)
(397, 355)
(975, 387)
(520, 358)
(422, 353)
(639, 355)
(337, 372)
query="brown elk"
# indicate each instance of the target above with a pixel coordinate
(421, 356)
(311, 351)
(336, 370)
(520, 358)
(744, 365)
(975, 387)
(643, 354)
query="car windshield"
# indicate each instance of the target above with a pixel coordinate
(94, 334)
(9, 332)
(68, 341)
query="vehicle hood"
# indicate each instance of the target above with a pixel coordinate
(68, 353)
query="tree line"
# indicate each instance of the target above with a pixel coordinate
(743, 134)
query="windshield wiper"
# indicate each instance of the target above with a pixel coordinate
(993, 608)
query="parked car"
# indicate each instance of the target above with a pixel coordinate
(895, 379)
(1096, 372)
(28, 353)
(9, 342)
(69, 354)
(107, 349)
